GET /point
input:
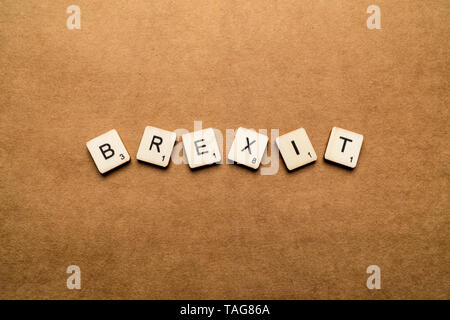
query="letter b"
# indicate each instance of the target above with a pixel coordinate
(106, 151)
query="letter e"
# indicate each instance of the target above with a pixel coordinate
(197, 147)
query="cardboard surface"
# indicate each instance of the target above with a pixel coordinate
(224, 231)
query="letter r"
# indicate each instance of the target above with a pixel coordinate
(157, 144)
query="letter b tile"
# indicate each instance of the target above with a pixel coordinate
(201, 148)
(108, 151)
(344, 147)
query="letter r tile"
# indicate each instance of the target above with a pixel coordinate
(108, 151)
(156, 146)
(201, 148)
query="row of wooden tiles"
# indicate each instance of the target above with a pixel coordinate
(201, 148)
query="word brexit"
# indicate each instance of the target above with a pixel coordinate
(201, 148)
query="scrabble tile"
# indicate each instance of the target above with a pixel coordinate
(156, 146)
(248, 148)
(296, 149)
(201, 148)
(343, 147)
(108, 151)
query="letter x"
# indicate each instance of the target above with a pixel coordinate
(248, 145)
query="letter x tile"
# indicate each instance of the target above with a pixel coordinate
(248, 148)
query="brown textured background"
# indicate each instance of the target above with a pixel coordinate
(224, 231)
